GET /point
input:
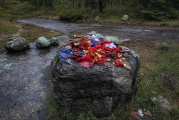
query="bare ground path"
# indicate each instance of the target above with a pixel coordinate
(25, 77)
(125, 32)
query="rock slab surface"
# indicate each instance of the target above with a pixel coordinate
(100, 89)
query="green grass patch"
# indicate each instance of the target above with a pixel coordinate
(7, 28)
(32, 33)
(168, 60)
(150, 83)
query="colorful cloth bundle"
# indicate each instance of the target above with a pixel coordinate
(90, 50)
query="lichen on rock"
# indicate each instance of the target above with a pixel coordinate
(16, 44)
(42, 43)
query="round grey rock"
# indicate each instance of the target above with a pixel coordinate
(125, 17)
(16, 44)
(162, 104)
(97, 18)
(42, 43)
(171, 82)
(54, 41)
(163, 46)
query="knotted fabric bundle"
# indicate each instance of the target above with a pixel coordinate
(89, 51)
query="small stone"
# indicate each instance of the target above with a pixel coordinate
(125, 17)
(163, 46)
(171, 82)
(97, 18)
(75, 36)
(54, 41)
(162, 104)
(42, 43)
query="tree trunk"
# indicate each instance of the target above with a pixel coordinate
(2, 2)
(144, 3)
(100, 6)
(79, 3)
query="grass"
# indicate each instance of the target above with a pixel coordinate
(150, 84)
(154, 61)
(32, 33)
(7, 28)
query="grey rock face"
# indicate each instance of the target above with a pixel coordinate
(42, 43)
(54, 41)
(99, 89)
(162, 104)
(16, 44)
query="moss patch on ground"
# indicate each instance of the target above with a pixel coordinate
(32, 33)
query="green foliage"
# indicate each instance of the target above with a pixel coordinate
(6, 2)
(72, 10)
(175, 113)
(71, 15)
(153, 15)
(159, 15)
(160, 10)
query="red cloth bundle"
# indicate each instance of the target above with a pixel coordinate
(97, 54)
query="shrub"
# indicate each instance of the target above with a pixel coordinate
(153, 15)
(159, 15)
(71, 15)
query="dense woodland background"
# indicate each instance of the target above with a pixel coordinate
(71, 10)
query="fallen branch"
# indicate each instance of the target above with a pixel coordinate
(71, 41)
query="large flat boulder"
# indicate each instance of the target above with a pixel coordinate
(100, 88)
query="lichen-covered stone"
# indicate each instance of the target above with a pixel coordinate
(163, 46)
(54, 41)
(162, 104)
(42, 43)
(100, 88)
(16, 44)
(171, 82)
(125, 17)
(113, 39)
